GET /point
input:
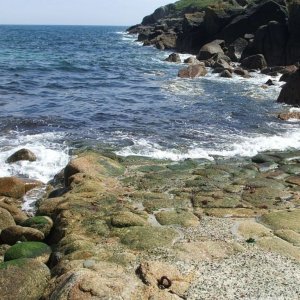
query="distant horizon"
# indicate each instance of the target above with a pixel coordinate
(77, 12)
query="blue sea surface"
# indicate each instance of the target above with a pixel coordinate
(64, 87)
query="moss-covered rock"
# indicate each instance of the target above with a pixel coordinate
(183, 218)
(92, 164)
(126, 219)
(6, 220)
(146, 237)
(42, 223)
(36, 250)
(16, 233)
(23, 279)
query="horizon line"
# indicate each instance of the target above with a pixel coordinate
(40, 24)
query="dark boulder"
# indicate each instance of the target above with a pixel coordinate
(221, 64)
(253, 17)
(269, 82)
(226, 74)
(192, 36)
(173, 57)
(293, 46)
(236, 49)
(192, 71)
(165, 41)
(271, 40)
(22, 154)
(254, 62)
(290, 93)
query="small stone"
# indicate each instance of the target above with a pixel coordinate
(89, 263)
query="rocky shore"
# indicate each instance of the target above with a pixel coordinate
(137, 228)
(258, 35)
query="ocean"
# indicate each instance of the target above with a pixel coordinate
(69, 87)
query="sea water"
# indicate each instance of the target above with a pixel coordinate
(68, 87)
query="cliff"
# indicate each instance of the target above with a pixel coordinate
(268, 27)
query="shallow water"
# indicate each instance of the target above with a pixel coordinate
(66, 87)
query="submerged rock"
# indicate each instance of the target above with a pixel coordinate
(22, 154)
(174, 57)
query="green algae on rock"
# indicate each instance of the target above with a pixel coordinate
(42, 223)
(35, 250)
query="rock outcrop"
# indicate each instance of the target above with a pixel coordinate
(269, 27)
(290, 93)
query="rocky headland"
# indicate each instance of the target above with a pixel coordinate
(258, 35)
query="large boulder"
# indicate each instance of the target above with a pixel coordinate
(165, 41)
(254, 62)
(22, 154)
(35, 250)
(192, 71)
(23, 279)
(271, 40)
(6, 220)
(293, 46)
(92, 164)
(13, 234)
(290, 93)
(253, 17)
(210, 49)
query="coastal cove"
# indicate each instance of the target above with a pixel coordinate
(101, 89)
(121, 180)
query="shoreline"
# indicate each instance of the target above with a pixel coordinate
(140, 220)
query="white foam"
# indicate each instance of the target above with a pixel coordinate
(51, 156)
(242, 146)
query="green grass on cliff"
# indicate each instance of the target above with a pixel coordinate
(182, 4)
